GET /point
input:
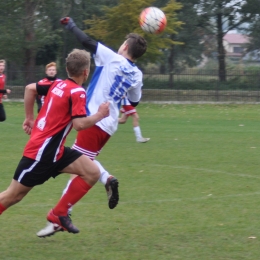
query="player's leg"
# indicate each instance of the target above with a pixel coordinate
(122, 119)
(90, 142)
(113, 197)
(137, 129)
(28, 174)
(131, 111)
(51, 228)
(88, 175)
(111, 185)
(2, 113)
(108, 180)
(12, 195)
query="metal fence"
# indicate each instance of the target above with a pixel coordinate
(192, 85)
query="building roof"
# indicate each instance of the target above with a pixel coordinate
(234, 38)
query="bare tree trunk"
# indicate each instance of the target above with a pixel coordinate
(171, 67)
(221, 50)
(30, 52)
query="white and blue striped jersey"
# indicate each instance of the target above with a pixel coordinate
(113, 79)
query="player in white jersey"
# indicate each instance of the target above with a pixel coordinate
(115, 76)
(128, 110)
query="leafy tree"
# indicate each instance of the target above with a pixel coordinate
(254, 34)
(122, 19)
(253, 30)
(79, 12)
(190, 52)
(25, 28)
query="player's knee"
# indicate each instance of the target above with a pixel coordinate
(18, 198)
(91, 174)
(13, 199)
(121, 121)
(95, 173)
(135, 116)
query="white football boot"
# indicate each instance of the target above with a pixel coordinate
(142, 140)
(49, 230)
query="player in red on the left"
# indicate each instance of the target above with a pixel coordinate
(3, 91)
(45, 155)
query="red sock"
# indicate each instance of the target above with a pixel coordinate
(2, 209)
(77, 189)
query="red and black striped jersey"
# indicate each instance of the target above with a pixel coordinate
(2, 85)
(65, 100)
(46, 82)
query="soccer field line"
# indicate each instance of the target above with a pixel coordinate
(207, 170)
(205, 197)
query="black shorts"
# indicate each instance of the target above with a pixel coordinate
(31, 173)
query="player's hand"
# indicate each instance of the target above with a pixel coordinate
(104, 109)
(28, 125)
(68, 22)
(5, 96)
(8, 91)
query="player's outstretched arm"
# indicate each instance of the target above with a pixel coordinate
(29, 99)
(8, 91)
(86, 122)
(83, 38)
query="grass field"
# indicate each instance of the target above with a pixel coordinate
(192, 192)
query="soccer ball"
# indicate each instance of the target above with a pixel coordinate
(152, 20)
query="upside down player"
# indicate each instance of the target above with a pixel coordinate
(115, 76)
(44, 155)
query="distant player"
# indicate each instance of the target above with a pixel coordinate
(3, 91)
(115, 76)
(51, 71)
(128, 110)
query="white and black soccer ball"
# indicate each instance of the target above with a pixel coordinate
(152, 20)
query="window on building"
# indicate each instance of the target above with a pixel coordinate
(238, 49)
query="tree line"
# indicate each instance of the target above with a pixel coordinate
(31, 35)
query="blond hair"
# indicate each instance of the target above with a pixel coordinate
(77, 61)
(50, 65)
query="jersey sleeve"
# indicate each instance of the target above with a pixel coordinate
(89, 43)
(42, 90)
(104, 55)
(78, 103)
(134, 93)
(43, 86)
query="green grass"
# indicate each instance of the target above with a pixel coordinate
(192, 192)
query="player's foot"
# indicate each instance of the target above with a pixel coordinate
(142, 140)
(112, 191)
(49, 230)
(63, 221)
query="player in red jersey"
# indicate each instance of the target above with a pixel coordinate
(45, 155)
(128, 110)
(3, 91)
(51, 71)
